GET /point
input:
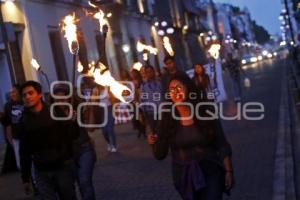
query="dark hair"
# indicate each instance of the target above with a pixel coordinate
(61, 88)
(149, 67)
(205, 79)
(36, 85)
(168, 57)
(136, 75)
(18, 87)
(168, 126)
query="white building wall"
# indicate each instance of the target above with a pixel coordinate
(40, 17)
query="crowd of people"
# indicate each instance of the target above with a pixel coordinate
(54, 155)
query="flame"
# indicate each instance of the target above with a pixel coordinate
(92, 64)
(35, 64)
(91, 71)
(79, 67)
(70, 29)
(168, 46)
(214, 50)
(103, 77)
(141, 47)
(145, 57)
(101, 18)
(91, 4)
(137, 66)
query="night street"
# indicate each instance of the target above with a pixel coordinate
(149, 99)
(132, 173)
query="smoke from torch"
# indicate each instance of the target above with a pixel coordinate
(168, 46)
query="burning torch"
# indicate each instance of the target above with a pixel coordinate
(146, 49)
(70, 29)
(38, 68)
(101, 71)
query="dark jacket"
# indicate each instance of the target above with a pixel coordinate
(45, 141)
(216, 146)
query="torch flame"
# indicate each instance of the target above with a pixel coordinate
(101, 18)
(137, 66)
(91, 71)
(145, 57)
(214, 50)
(91, 4)
(141, 47)
(70, 29)
(79, 67)
(35, 64)
(168, 46)
(103, 77)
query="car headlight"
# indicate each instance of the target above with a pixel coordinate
(244, 61)
(265, 53)
(253, 59)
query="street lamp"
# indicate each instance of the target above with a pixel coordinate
(126, 48)
(163, 30)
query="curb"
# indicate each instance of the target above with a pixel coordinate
(284, 182)
(295, 99)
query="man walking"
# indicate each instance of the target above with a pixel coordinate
(47, 144)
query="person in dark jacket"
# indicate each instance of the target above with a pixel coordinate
(84, 152)
(201, 155)
(47, 144)
(138, 121)
(171, 69)
(200, 78)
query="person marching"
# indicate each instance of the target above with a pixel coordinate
(201, 155)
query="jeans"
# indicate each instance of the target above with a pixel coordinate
(56, 183)
(236, 86)
(84, 167)
(108, 129)
(16, 146)
(214, 179)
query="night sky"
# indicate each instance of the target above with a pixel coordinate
(264, 12)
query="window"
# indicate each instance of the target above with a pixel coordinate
(17, 60)
(58, 55)
(82, 54)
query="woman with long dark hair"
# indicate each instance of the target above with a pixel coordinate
(200, 78)
(138, 124)
(201, 155)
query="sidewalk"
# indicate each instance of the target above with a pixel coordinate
(294, 86)
(284, 182)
